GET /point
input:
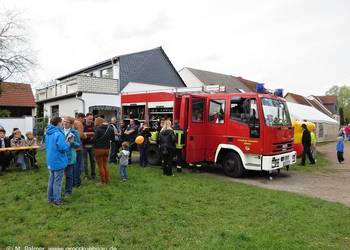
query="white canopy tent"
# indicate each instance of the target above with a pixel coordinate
(326, 127)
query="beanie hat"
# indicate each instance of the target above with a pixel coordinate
(99, 121)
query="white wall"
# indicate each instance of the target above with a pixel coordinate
(70, 106)
(100, 99)
(67, 106)
(133, 87)
(24, 124)
(189, 78)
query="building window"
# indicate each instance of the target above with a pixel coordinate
(107, 73)
(217, 111)
(55, 111)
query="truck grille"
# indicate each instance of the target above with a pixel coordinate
(282, 146)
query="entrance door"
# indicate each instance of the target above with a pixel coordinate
(196, 132)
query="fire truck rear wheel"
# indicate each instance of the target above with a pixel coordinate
(232, 165)
(153, 155)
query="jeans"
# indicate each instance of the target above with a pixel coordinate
(77, 169)
(123, 172)
(68, 171)
(115, 145)
(5, 160)
(132, 147)
(55, 185)
(31, 156)
(340, 156)
(20, 160)
(102, 158)
(307, 151)
(167, 162)
(143, 156)
(89, 152)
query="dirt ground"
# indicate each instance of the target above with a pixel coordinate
(332, 183)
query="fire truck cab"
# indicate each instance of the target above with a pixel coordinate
(237, 131)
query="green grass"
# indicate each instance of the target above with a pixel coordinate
(320, 166)
(151, 211)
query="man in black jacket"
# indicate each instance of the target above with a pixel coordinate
(5, 157)
(306, 141)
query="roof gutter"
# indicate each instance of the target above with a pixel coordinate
(80, 99)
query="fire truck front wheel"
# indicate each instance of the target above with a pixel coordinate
(153, 155)
(232, 165)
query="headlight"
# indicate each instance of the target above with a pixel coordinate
(275, 162)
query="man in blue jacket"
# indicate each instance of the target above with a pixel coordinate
(56, 156)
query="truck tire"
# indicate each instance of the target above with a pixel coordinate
(153, 155)
(232, 165)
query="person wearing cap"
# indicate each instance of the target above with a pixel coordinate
(104, 135)
(306, 141)
(5, 157)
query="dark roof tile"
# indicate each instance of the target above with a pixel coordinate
(232, 84)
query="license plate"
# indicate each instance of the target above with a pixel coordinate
(286, 163)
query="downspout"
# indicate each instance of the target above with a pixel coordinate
(118, 86)
(80, 99)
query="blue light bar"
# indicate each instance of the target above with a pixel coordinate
(279, 92)
(260, 87)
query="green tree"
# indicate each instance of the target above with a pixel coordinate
(343, 100)
(5, 113)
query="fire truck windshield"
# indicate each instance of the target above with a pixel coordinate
(275, 112)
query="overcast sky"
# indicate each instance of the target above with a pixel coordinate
(302, 46)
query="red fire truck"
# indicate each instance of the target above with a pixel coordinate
(237, 131)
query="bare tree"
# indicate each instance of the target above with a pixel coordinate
(16, 56)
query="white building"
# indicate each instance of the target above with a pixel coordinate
(96, 88)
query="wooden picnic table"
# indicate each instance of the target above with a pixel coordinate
(19, 148)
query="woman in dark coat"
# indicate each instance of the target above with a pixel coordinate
(103, 136)
(167, 147)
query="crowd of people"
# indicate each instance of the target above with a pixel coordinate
(75, 145)
(24, 159)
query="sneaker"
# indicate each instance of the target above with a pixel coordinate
(58, 203)
(125, 179)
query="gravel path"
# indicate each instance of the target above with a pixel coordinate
(332, 183)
